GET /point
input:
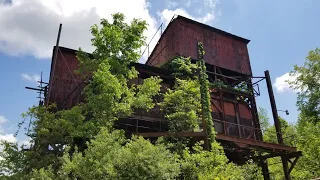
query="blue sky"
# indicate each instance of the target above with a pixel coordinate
(281, 34)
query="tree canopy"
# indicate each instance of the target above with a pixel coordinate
(307, 83)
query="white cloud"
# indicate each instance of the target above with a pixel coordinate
(8, 137)
(282, 85)
(172, 4)
(31, 77)
(3, 119)
(26, 143)
(30, 27)
(211, 3)
(3, 136)
(188, 3)
(166, 16)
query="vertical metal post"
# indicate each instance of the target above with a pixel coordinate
(159, 39)
(254, 111)
(137, 125)
(265, 170)
(236, 110)
(215, 72)
(53, 63)
(223, 113)
(277, 123)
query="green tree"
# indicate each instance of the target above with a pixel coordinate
(308, 141)
(263, 119)
(108, 97)
(111, 156)
(307, 81)
(182, 106)
(289, 133)
(305, 136)
(182, 68)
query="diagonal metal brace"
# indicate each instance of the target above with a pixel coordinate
(293, 163)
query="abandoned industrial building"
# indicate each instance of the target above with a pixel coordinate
(235, 119)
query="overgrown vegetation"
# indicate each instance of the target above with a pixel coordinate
(81, 143)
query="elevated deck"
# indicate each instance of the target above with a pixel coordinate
(240, 142)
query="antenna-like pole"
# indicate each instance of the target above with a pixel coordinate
(53, 64)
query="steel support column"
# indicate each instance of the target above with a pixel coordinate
(277, 124)
(265, 169)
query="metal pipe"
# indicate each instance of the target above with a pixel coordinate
(277, 123)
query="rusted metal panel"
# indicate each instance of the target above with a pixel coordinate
(232, 117)
(65, 80)
(229, 109)
(222, 49)
(165, 48)
(244, 112)
(67, 86)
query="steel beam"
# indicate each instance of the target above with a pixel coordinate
(277, 124)
(172, 134)
(251, 142)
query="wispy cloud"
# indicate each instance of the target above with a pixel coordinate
(31, 77)
(3, 119)
(166, 16)
(172, 4)
(205, 12)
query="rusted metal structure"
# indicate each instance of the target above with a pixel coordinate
(223, 49)
(234, 109)
(234, 113)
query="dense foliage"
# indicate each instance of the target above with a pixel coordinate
(82, 143)
(307, 83)
(304, 136)
(182, 68)
(182, 107)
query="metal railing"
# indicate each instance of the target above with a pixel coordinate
(234, 129)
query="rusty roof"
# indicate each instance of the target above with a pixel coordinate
(210, 28)
(182, 18)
